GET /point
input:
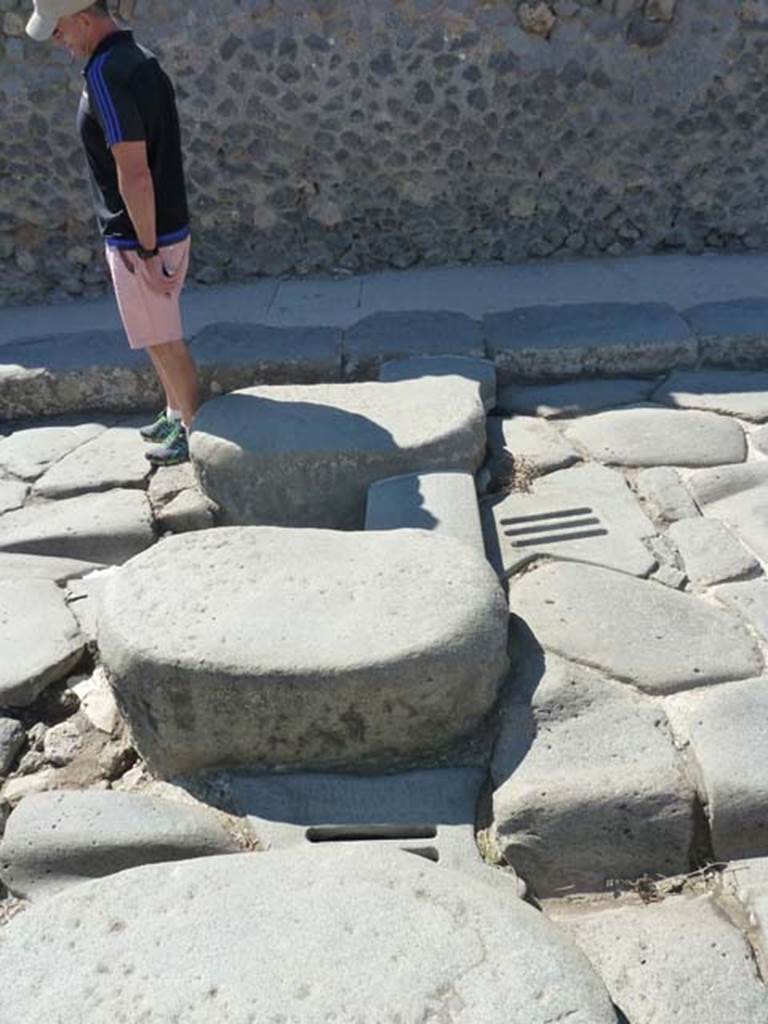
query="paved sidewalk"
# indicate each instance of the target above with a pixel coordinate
(680, 281)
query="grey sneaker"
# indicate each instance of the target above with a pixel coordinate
(173, 450)
(159, 430)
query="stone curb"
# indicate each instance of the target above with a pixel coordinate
(95, 371)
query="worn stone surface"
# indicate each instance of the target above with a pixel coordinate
(735, 394)
(12, 495)
(189, 510)
(445, 503)
(749, 599)
(27, 454)
(55, 840)
(113, 459)
(659, 437)
(305, 456)
(573, 398)
(586, 514)
(737, 495)
(386, 671)
(676, 962)
(760, 440)
(587, 783)
(711, 552)
(637, 631)
(108, 527)
(665, 493)
(168, 481)
(39, 567)
(731, 333)
(542, 342)
(384, 336)
(178, 938)
(39, 638)
(724, 728)
(231, 355)
(747, 882)
(12, 737)
(481, 370)
(530, 442)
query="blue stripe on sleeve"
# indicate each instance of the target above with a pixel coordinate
(111, 121)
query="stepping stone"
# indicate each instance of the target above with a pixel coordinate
(262, 936)
(739, 496)
(482, 371)
(531, 442)
(574, 398)
(676, 962)
(38, 567)
(12, 495)
(309, 648)
(56, 840)
(431, 813)
(443, 503)
(734, 394)
(634, 630)
(584, 514)
(588, 784)
(12, 739)
(725, 728)
(710, 551)
(109, 528)
(75, 372)
(40, 640)
(27, 454)
(731, 333)
(664, 491)
(238, 355)
(385, 336)
(749, 599)
(305, 456)
(659, 437)
(602, 338)
(113, 459)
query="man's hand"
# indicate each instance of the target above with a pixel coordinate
(159, 278)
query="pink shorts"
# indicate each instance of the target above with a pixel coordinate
(148, 318)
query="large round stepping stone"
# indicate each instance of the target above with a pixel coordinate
(660, 437)
(265, 646)
(301, 937)
(39, 637)
(306, 455)
(635, 630)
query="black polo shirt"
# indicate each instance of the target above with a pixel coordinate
(129, 98)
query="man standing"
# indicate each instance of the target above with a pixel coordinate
(130, 130)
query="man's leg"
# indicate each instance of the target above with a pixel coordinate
(170, 397)
(178, 374)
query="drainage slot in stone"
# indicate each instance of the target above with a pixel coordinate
(557, 538)
(541, 517)
(366, 833)
(548, 527)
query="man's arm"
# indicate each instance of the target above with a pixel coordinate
(134, 180)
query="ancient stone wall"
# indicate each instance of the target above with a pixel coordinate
(359, 134)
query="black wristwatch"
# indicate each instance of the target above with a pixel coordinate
(146, 254)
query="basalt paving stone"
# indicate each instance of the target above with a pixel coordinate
(652, 436)
(750, 599)
(711, 552)
(306, 455)
(113, 459)
(739, 496)
(110, 527)
(39, 638)
(311, 648)
(12, 739)
(575, 398)
(39, 567)
(56, 840)
(12, 495)
(588, 784)
(301, 936)
(680, 961)
(386, 336)
(239, 355)
(482, 371)
(603, 338)
(760, 440)
(665, 493)
(726, 732)
(734, 394)
(732, 334)
(747, 882)
(637, 631)
(532, 442)
(584, 514)
(28, 453)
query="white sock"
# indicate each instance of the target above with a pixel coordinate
(173, 414)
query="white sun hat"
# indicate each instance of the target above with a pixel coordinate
(43, 22)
